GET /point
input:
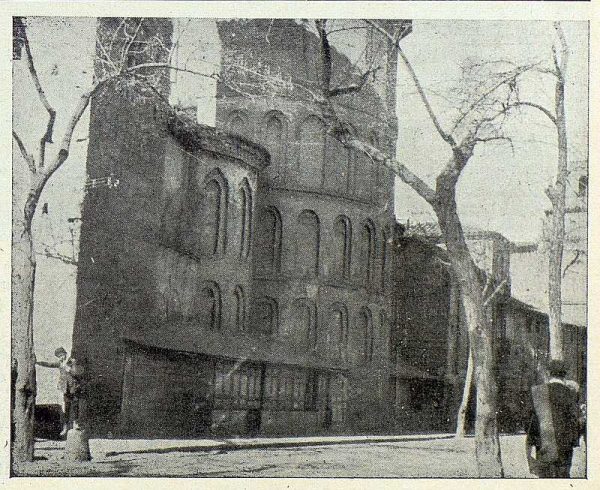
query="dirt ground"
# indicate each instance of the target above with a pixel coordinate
(443, 458)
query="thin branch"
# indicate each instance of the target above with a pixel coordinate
(538, 107)
(142, 66)
(47, 137)
(495, 138)
(575, 259)
(511, 77)
(28, 158)
(58, 256)
(125, 50)
(495, 292)
(488, 284)
(353, 88)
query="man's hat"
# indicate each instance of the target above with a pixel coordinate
(557, 368)
(59, 351)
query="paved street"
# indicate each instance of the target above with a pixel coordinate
(409, 457)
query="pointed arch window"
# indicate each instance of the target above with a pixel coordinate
(209, 306)
(365, 326)
(338, 330)
(305, 323)
(213, 214)
(385, 251)
(274, 141)
(269, 253)
(308, 244)
(238, 124)
(343, 246)
(266, 316)
(367, 243)
(245, 196)
(240, 308)
(311, 140)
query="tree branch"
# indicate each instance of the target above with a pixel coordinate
(58, 256)
(511, 77)
(47, 137)
(325, 57)
(28, 158)
(407, 176)
(536, 106)
(496, 291)
(578, 253)
(488, 284)
(353, 88)
(445, 136)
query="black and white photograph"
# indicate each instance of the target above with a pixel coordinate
(298, 245)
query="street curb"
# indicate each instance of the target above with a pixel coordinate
(275, 444)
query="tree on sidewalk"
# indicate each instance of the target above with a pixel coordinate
(480, 120)
(556, 193)
(131, 55)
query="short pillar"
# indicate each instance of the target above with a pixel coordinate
(77, 447)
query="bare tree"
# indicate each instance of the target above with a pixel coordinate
(480, 121)
(479, 73)
(557, 194)
(128, 57)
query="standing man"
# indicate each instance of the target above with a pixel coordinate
(64, 367)
(554, 426)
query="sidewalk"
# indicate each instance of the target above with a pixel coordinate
(363, 456)
(106, 448)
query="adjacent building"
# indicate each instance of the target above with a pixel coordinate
(430, 338)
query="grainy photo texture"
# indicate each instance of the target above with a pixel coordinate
(299, 248)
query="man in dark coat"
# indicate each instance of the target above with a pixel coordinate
(554, 426)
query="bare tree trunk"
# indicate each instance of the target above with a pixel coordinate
(23, 356)
(461, 418)
(557, 197)
(487, 442)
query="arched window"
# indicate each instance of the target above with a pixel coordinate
(385, 251)
(342, 247)
(338, 331)
(266, 316)
(213, 214)
(245, 195)
(308, 244)
(311, 139)
(208, 308)
(365, 326)
(367, 255)
(269, 242)
(304, 323)
(274, 142)
(240, 308)
(238, 124)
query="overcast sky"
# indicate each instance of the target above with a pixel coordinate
(499, 190)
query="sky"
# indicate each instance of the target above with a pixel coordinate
(499, 190)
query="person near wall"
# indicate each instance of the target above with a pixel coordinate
(554, 426)
(69, 385)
